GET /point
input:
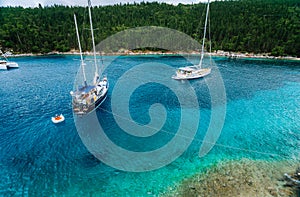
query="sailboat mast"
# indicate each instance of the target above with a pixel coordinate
(79, 45)
(204, 34)
(93, 40)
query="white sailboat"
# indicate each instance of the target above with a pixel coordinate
(196, 71)
(89, 97)
(5, 64)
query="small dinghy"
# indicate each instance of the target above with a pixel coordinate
(58, 118)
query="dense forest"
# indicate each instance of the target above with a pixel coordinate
(259, 26)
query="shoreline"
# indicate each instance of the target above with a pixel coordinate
(230, 55)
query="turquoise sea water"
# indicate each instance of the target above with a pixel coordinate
(42, 159)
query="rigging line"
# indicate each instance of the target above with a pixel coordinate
(204, 35)
(198, 140)
(102, 62)
(200, 26)
(93, 39)
(209, 37)
(80, 50)
(83, 25)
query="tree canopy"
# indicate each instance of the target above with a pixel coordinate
(259, 26)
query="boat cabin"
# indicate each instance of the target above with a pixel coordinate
(185, 70)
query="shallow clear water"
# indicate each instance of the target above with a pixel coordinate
(42, 159)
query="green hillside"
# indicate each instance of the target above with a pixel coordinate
(259, 26)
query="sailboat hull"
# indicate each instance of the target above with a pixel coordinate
(4, 65)
(89, 109)
(12, 65)
(84, 106)
(100, 100)
(191, 74)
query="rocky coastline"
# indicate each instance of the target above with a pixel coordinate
(232, 55)
(242, 178)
